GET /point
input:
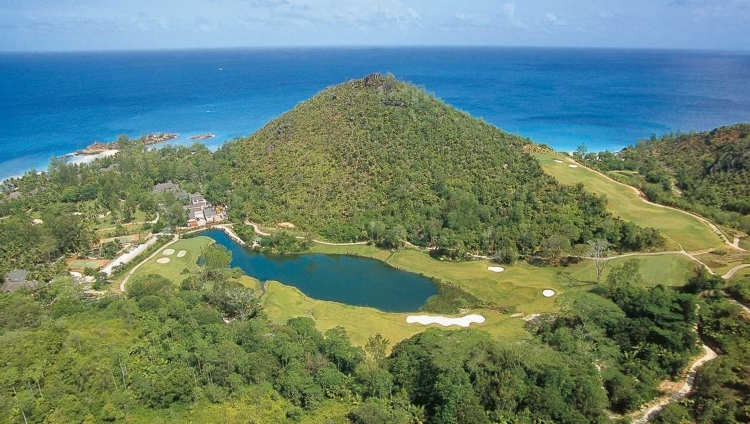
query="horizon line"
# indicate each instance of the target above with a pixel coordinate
(365, 47)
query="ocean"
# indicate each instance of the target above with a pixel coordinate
(55, 103)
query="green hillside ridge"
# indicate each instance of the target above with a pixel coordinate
(381, 160)
(706, 172)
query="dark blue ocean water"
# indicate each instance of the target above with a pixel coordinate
(52, 104)
(340, 278)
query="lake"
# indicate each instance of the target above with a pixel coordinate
(341, 278)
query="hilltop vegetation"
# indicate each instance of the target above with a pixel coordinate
(705, 172)
(381, 160)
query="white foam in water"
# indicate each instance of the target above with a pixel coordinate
(444, 321)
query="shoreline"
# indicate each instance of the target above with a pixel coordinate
(98, 147)
(28, 163)
(80, 159)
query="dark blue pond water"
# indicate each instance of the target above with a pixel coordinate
(346, 279)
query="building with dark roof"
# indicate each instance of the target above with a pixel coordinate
(171, 188)
(16, 280)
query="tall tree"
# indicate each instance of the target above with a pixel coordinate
(598, 252)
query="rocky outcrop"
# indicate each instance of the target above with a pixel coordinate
(99, 147)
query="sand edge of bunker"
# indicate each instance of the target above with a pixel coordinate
(464, 321)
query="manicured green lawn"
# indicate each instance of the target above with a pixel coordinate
(672, 270)
(282, 302)
(741, 274)
(518, 288)
(174, 269)
(355, 250)
(721, 264)
(623, 202)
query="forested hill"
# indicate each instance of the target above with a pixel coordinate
(383, 160)
(706, 172)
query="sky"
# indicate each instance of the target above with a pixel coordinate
(75, 25)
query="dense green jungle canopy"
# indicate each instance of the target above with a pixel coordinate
(378, 159)
(168, 354)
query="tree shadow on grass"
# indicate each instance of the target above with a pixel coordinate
(566, 280)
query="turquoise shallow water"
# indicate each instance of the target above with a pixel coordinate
(52, 104)
(345, 279)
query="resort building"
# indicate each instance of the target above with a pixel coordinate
(16, 280)
(201, 212)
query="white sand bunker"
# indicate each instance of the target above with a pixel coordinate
(181, 253)
(548, 293)
(445, 322)
(573, 166)
(167, 252)
(163, 260)
(558, 161)
(496, 268)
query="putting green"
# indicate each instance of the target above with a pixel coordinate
(173, 270)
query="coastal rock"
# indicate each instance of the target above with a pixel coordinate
(159, 138)
(96, 148)
(99, 147)
(202, 137)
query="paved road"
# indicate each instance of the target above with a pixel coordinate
(128, 256)
(734, 270)
(132, 271)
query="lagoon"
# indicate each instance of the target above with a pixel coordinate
(346, 279)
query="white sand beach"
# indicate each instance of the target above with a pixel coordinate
(80, 159)
(444, 321)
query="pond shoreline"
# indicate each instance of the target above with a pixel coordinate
(347, 279)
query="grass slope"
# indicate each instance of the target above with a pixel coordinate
(518, 288)
(622, 201)
(174, 269)
(739, 275)
(704, 172)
